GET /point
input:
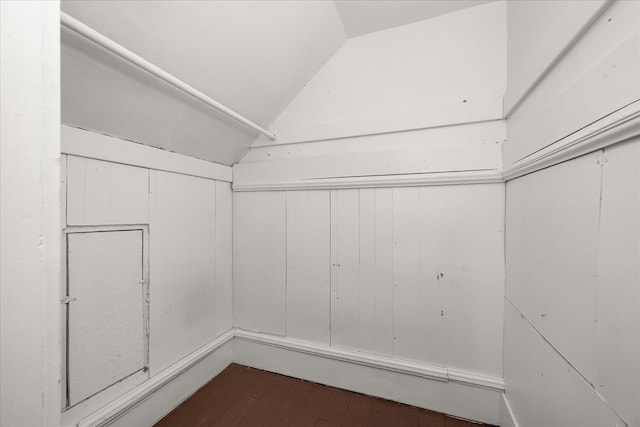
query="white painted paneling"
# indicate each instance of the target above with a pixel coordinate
(455, 148)
(543, 388)
(538, 34)
(408, 292)
(83, 143)
(259, 261)
(617, 331)
(552, 240)
(383, 311)
(308, 265)
(446, 70)
(182, 270)
(604, 65)
(100, 193)
(30, 214)
(223, 256)
(345, 292)
(106, 325)
(406, 263)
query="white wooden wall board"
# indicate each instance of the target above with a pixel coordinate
(433, 288)
(63, 191)
(530, 58)
(614, 82)
(101, 192)
(383, 271)
(345, 325)
(367, 270)
(149, 402)
(472, 136)
(462, 274)
(182, 265)
(457, 148)
(552, 239)
(538, 377)
(223, 256)
(619, 126)
(308, 265)
(106, 322)
(84, 143)
(602, 65)
(419, 118)
(409, 321)
(259, 262)
(617, 330)
(370, 377)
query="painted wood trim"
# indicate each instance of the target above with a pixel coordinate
(128, 401)
(423, 370)
(427, 117)
(617, 127)
(378, 181)
(507, 416)
(84, 143)
(543, 60)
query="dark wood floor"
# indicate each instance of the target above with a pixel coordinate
(242, 396)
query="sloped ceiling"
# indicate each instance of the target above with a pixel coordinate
(366, 16)
(252, 56)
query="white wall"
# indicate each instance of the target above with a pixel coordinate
(253, 57)
(375, 224)
(30, 214)
(572, 331)
(189, 219)
(449, 69)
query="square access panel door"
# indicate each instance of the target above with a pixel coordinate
(106, 318)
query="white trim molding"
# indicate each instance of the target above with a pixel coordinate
(461, 394)
(378, 181)
(617, 127)
(418, 369)
(130, 400)
(92, 145)
(507, 416)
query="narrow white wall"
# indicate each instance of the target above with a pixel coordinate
(444, 70)
(572, 331)
(29, 209)
(189, 219)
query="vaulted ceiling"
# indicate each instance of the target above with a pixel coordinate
(253, 56)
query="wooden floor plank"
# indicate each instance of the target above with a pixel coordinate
(248, 397)
(180, 416)
(336, 406)
(288, 407)
(309, 412)
(382, 413)
(358, 411)
(259, 414)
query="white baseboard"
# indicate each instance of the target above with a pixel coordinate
(507, 416)
(462, 394)
(150, 401)
(469, 395)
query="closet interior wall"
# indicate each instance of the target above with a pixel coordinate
(572, 332)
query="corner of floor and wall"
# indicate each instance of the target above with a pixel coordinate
(472, 251)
